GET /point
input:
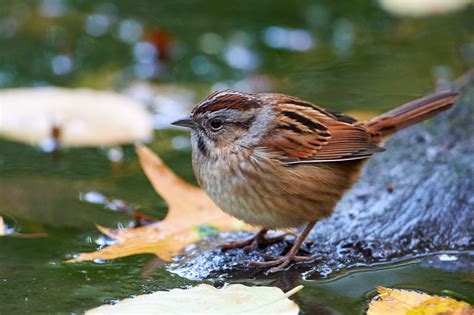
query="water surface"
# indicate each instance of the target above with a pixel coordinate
(348, 56)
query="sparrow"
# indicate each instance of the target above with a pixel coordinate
(277, 161)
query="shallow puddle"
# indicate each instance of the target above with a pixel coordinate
(350, 56)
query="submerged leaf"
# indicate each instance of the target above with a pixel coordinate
(394, 301)
(191, 215)
(205, 299)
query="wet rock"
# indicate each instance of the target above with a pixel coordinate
(428, 208)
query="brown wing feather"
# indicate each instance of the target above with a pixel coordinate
(306, 133)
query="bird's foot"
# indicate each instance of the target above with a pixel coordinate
(279, 263)
(258, 240)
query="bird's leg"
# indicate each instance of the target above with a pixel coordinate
(281, 262)
(258, 240)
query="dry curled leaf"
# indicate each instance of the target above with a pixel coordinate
(191, 215)
(205, 299)
(407, 302)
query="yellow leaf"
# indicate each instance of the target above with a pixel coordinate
(407, 302)
(190, 213)
(205, 299)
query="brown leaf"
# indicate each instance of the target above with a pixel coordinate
(394, 301)
(191, 213)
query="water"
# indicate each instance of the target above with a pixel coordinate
(345, 55)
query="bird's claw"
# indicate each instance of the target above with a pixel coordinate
(279, 263)
(258, 240)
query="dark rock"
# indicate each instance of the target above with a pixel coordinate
(416, 198)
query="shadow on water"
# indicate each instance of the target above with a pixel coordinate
(346, 55)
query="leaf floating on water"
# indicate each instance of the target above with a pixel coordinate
(191, 215)
(205, 299)
(77, 117)
(394, 301)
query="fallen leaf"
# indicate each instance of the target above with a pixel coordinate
(191, 215)
(205, 299)
(407, 302)
(77, 117)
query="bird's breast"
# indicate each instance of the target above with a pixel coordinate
(264, 193)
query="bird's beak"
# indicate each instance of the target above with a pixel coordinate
(185, 122)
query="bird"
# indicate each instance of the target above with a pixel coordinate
(276, 161)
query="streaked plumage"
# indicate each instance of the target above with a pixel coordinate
(277, 161)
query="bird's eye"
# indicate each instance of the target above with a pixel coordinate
(216, 124)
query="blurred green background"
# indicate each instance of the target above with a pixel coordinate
(356, 56)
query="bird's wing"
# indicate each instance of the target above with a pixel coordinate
(306, 133)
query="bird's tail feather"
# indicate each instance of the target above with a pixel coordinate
(411, 113)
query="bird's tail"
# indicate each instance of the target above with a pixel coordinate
(411, 113)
